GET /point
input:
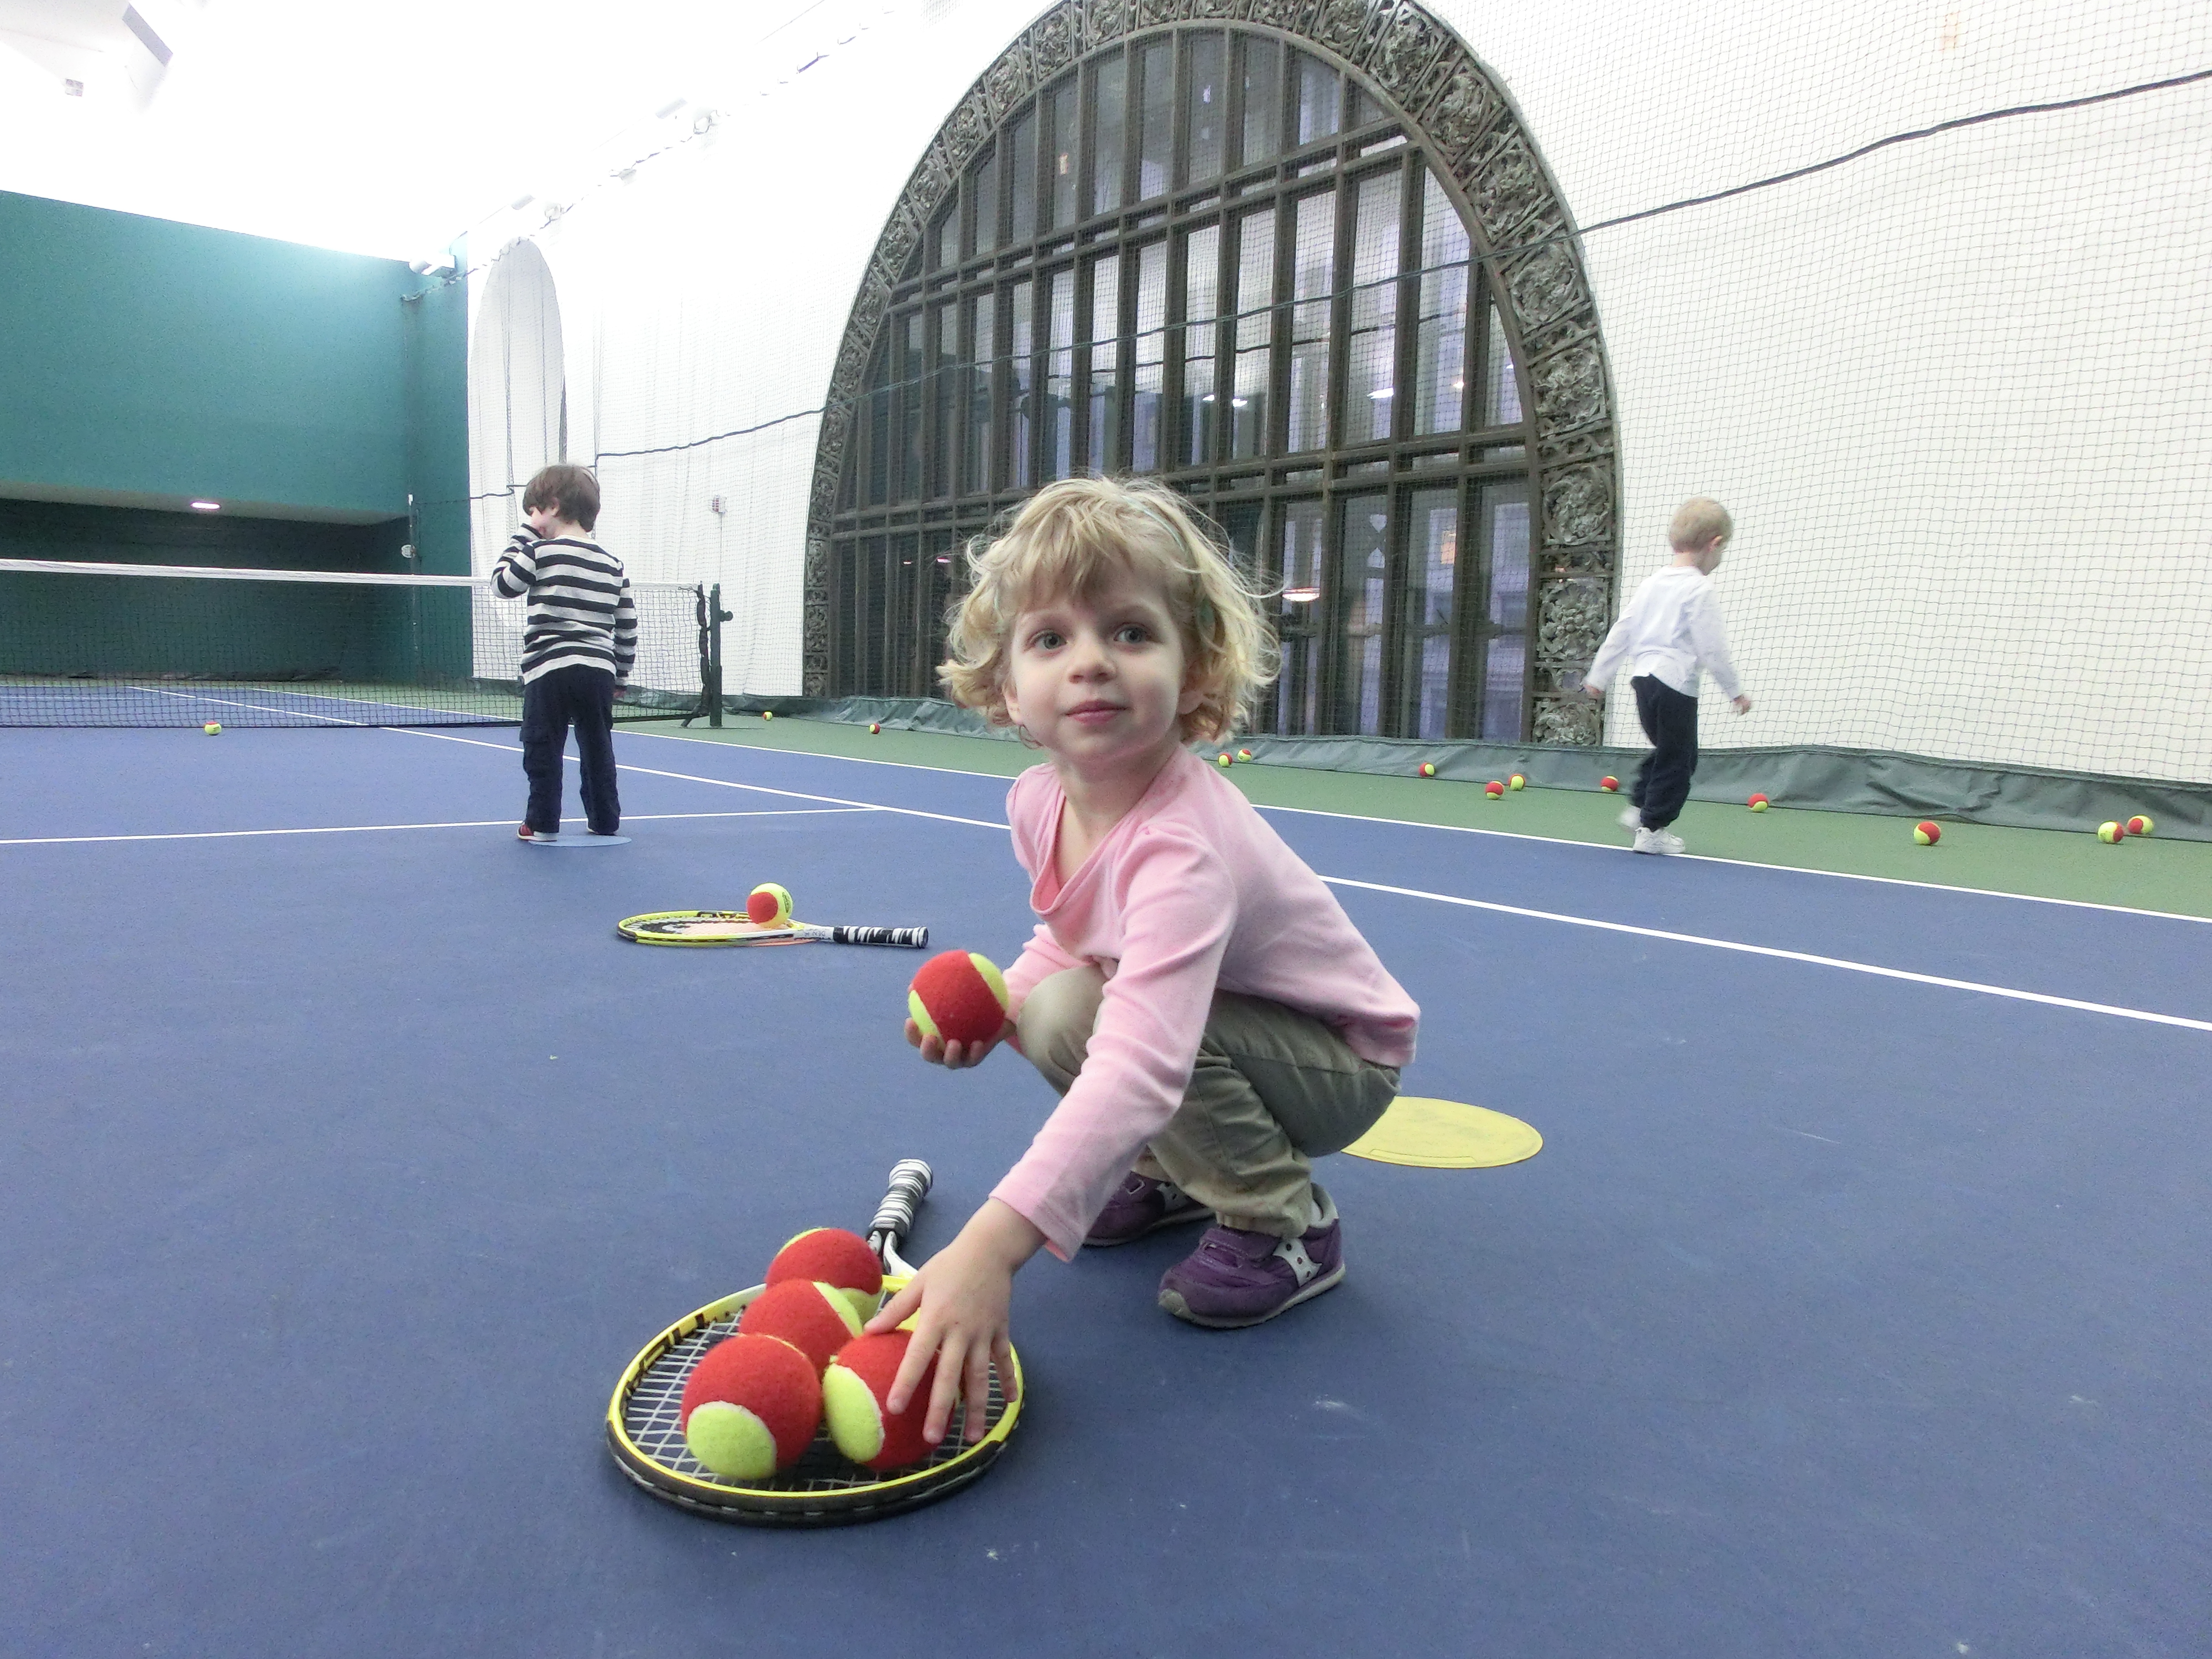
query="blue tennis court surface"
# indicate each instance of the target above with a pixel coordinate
(1842, 1313)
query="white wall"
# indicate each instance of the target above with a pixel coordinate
(1955, 392)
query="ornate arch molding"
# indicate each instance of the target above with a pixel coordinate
(1522, 233)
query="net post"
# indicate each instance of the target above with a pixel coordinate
(715, 617)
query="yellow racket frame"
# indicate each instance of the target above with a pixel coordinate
(770, 1505)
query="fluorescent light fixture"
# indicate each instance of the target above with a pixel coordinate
(1300, 595)
(1237, 402)
(1382, 395)
(520, 202)
(207, 506)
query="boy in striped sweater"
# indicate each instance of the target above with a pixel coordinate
(579, 641)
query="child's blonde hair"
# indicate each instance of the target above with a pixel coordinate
(1070, 540)
(1696, 522)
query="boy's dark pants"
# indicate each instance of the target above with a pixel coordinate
(1670, 721)
(551, 703)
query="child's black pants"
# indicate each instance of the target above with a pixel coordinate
(1670, 721)
(583, 697)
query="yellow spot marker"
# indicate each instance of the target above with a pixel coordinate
(1446, 1134)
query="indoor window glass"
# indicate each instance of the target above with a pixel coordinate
(1202, 292)
(1154, 116)
(1502, 386)
(1263, 90)
(1504, 675)
(1105, 355)
(1321, 97)
(948, 238)
(912, 371)
(1297, 619)
(1060, 155)
(1059, 380)
(983, 337)
(983, 193)
(1504, 509)
(1206, 109)
(1432, 549)
(1021, 366)
(1366, 565)
(1313, 275)
(1110, 133)
(945, 376)
(1149, 346)
(1255, 332)
(1371, 352)
(1022, 176)
(1440, 344)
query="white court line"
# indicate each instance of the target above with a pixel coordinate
(1843, 964)
(373, 828)
(1523, 835)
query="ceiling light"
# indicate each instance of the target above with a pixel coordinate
(521, 201)
(1378, 397)
(1300, 595)
(207, 506)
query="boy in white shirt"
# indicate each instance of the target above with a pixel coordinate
(1670, 630)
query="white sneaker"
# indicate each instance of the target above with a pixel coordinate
(1632, 817)
(1658, 840)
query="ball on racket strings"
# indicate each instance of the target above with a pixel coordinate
(813, 1317)
(750, 1406)
(1927, 834)
(768, 905)
(2110, 832)
(1494, 789)
(833, 1256)
(1516, 781)
(2140, 825)
(1758, 802)
(1608, 784)
(213, 728)
(853, 1390)
(1428, 768)
(958, 996)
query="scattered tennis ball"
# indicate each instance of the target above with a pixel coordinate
(767, 714)
(959, 996)
(833, 1256)
(1927, 835)
(853, 1390)
(213, 728)
(1758, 802)
(1494, 789)
(2140, 825)
(875, 727)
(750, 1407)
(1608, 784)
(1428, 768)
(815, 1318)
(1516, 781)
(1224, 758)
(2110, 832)
(1243, 754)
(768, 905)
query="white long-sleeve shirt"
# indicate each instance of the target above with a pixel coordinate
(1670, 630)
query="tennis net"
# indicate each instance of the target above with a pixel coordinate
(84, 644)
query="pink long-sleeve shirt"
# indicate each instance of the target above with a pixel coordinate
(1190, 893)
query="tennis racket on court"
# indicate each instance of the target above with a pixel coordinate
(645, 1430)
(735, 927)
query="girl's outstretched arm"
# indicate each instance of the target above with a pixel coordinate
(960, 1298)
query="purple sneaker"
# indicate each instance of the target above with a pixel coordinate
(1139, 1206)
(1235, 1277)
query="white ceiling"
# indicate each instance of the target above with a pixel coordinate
(387, 127)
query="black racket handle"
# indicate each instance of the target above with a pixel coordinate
(913, 938)
(909, 1182)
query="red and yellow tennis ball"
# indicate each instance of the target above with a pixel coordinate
(750, 1406)
(854, 1392)
(815, 1318)
(213, 728)
(2140, 825)
(1224, 758)
(767, 714)
(832, 1256)
(1758, 802)
(1927, 834)
(1608, 784)
(1494, 789)
(2110, 832)
(768, 905)
(1243, 754)
(874, 728)
(1428, 768)
(958, 996)
(1516, 781)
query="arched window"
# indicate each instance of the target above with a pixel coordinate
(518, 394)
(1222, 255)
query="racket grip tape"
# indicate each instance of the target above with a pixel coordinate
(912, 939)
(910, 1182)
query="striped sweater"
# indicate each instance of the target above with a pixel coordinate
(580, 612)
